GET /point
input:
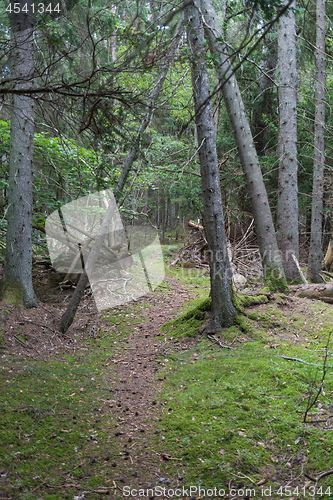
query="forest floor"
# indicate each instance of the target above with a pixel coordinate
(121, 405)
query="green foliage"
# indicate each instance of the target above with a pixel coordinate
(63, 170)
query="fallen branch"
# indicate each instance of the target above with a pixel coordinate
(295, 359)
(299, 269)
(330, 275)
(195, 226)
(216, 341)
(318, 478)
(311, 404)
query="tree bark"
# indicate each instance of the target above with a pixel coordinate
(287, 208)
(16, 284)
(223, 310)
(68, 317)
(270, 255)
(322, 292)
(328, 259)
(315, 253)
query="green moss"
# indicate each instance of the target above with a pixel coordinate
(188, 324)
(241, 410)
(245, 324)
(269, 317)
(59, 403)
(197, 312)
(273, 283)
(280, 299)
(11, 292)
(241, 301)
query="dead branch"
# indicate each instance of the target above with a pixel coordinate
(216, 341)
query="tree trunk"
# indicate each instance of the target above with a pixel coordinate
(16, 284)
(68, 317)
(315, 254)
(287, 208)
(270, 255)
(328, 259)
(223, 310)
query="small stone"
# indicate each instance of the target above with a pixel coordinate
(161, 480)
(135, 474)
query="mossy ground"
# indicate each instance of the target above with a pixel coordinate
(237, 415)
(56, 417)
(228, 418)
(11, 292)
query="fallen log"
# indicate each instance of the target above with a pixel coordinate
(199, 227)
(314, 291)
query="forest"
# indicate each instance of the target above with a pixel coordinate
(166, 248)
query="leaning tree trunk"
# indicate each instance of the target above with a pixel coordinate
(271, 260)
(223, 311)
(315, 254)
(16, 284)
(287, 208)
(68, 316)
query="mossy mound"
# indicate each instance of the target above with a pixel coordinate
(11, 292)
(241, 301)
(188, 324)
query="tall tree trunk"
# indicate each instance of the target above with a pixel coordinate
(315, 254)
(223, 311)
(270, 255)
(17, 277)
(132, 155)
(287, 209)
